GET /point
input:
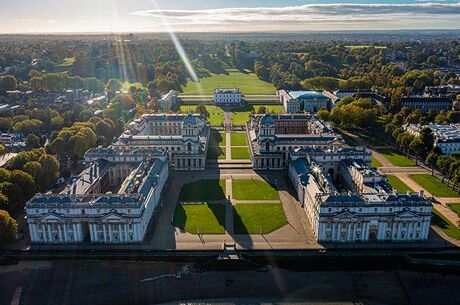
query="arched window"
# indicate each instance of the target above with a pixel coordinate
(267, 146)
(189, 146)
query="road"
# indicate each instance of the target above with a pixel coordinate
(93, 282)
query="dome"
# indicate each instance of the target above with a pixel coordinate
(267, 120)
(190, 119)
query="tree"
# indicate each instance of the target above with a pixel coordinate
(417, 146)
(32, 141)
(33, 168)
(105, 129)
(8, 227)
(201, 109)
(323, 114)
(7, 83)
(262, 110)
(49, 172)
(113, 85)
(16, 198)
(25, 182)
(2, 149)
(431, 159)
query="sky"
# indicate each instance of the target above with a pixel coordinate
(80, 16)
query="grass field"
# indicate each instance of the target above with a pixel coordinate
(200, 218)
(455, 207)
(396, 158)
(434, 185)
(216, 114)
(67, 62)
(239, 139)
(248, 83)
(241, 115)
(251, 189)
(375, 162)
(203, 190)
(240, 153)
(258, 218)
(396, 183)
(369, 137)
(217, 138)
(216, 152)
(365, 47)
(441, 222)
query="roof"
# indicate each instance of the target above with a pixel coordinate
(266, 120)
(307, 95)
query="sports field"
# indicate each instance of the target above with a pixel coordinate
(200, 218)
(258, 218)
(248, 83)
(253, 189)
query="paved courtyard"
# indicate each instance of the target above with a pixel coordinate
(296, 234)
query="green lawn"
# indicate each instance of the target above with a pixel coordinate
(441, 222)
(67, 62)
(455, 207)
(200, 218)
(396, 158)
(375, 162)
(216, 114)
(370, 137)
(349, 140)
(240, 153)
(252, 189)
(239, 139)
(241, 115)
(258, 218)
(217, 139)
(396, 183)
(365, 47)
(216, 152)
(248, 83)
(434, 185)
(203, 190)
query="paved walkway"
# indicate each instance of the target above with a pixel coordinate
(379, 157)
(441, 208)
(228, 146)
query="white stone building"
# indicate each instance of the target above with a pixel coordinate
(356, 204)
(446, 137)
(169, 101)
(184, 136)
(271, 137)
(88, 212)
(227, 97)
(300, 101)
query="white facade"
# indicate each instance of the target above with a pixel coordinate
(300, 101)
(227, 97)
(447, 137)
(368, 210)
(169, 101)
(100, 218)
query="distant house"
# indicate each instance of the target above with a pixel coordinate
(168, 101)
(227, 97)
(309, 101)
(351, 92)
(425, 103)
(446, 137)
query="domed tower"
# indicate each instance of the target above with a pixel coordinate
(266, 126)
(190, 126)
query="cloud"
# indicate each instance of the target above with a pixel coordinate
(436, 14)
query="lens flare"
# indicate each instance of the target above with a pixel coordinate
(178, 45)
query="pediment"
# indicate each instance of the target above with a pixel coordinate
(406, 214)
(345, 215)
(51, 217)
(112, 216)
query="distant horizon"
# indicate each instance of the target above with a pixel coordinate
(230, 32)
(214, 16)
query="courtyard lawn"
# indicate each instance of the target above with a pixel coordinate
(240, 153)
(455, 207)
(258, 218)
(396, 158)
(200, 218)
(375, 162)
(215, 152)
(396, 183)
(216, 114)
(434, 185)
(203, 190)
(441, 222)
(239, 139)
(253, 189)
(248, 83)
(241, 115)
(217, 138)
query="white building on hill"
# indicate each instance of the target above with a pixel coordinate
(227, 97)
